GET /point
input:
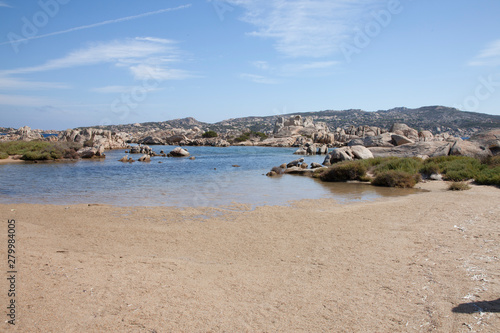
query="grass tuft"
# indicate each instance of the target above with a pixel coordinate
(458, 186)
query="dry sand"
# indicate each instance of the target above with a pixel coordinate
(393, 265)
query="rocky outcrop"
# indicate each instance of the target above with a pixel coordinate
(91, 152)
(468, 148)
(178, 152)
(404, 130)
(26, 134)
(297, 125)
(294, 167)
(348, 153)
(95, 137)
(145, 158)
(399, 140)
(140, 149)
(381, 140)
(211, 142)
(488, 139)
(312, 149)
(418, 149)
(152, 140)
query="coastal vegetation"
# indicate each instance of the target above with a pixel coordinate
(459, 186)
(248, 135)
(209, 134)
(39, 150)
(406, 172)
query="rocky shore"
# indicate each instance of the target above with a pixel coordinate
(309, 136)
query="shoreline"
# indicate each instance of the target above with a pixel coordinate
(405, 264)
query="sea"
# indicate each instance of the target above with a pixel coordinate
(218, 176)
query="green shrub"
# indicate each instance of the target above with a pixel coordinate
(343, 171)
(209, 134)
(3, 155)
(407, 164)
(261, 135)
(458, 186)
(40, 150)
(429, 168)
(36, 155)
(395, 178)
(243, 137)
(489, 176)
(455, 168)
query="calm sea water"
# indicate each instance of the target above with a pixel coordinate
(209, 180)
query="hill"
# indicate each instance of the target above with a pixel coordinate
(433, 118)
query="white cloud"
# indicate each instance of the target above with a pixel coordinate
(4, 4)
(306, 28)
(258, 78)
(263, 65)
(146, 72)
(20, 100)
(134, 51)
(489, 56)
(300, 67)
(146, 58)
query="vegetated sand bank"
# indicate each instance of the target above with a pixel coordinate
(404, 264)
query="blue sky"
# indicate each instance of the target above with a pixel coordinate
(69, 63)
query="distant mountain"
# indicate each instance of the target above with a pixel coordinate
(433, 118)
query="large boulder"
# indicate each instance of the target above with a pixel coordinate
(419, 149)
(97, 136)
(488, 139)
(176, 139)
(340, 154)
(361, 152)
(178, 152)
(91, 152)
(405, 130)
(468, 148)
(382, 140)
(151, 140)
(425, 136)
(295, 163)
(144, 158)
(400, 140)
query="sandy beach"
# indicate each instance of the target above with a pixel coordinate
(425, 262)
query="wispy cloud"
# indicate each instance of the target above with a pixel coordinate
(120, 52)
(4, 4)
(489, 56)
(312, 68)
(145, 72)
(263, 65)
(306, 28)
(95, 25)
(145, 58)
(258, 78)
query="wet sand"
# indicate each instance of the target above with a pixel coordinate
(417, 263)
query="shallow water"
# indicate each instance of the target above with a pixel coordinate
(209, 180)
